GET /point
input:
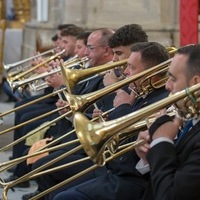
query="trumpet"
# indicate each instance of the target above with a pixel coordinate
(23, 74)
(95, 136)
(68, 64)
(8, 67)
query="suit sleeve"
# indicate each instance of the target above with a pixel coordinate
(120, 111)
(172, 178)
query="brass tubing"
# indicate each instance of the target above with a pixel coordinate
(64, 166)
(18, 160)
(93, 136)
(81, 102)
(32, 120)
(69, 64)
(93, 167)
(7, 67)
(11, 79)
(8, 185)
(33, 132)
(14, 162)
(72, 77)
(32, 102)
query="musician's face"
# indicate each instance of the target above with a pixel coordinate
(121, 53)
(134, 66)
(68, 43)
(179, 78)
(80, 48)
(95, 51)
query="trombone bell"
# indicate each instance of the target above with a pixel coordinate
(92, 142)
(95, 136)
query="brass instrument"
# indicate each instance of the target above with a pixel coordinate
(94, 136)
(132, 130)
(123, 150)
(83, 101)
(171, 50)
(23, 74)
(68, 64)
(72, 77)
(32, 102)
(14, 162)
(8, 67)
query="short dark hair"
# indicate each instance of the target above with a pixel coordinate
(83, 36)
(63, 26)
(72, 31)
(127, 35)
(152, 53)
(54, 38)
(193, 62)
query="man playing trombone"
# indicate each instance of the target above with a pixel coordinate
(98, 53)
(121, 180)
(173, 155)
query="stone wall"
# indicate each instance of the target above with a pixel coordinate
(158, 17)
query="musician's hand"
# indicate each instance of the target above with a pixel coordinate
(110, 78)
(37, 61)
(54, 64)
(142, 150)
(168, 129)
(55, 80)
(98, 113)
(123, 97)
(60, 103)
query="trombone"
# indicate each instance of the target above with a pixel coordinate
(83, 101)
(32, 102)
(39, 151)
(95, 136)
(73, 76)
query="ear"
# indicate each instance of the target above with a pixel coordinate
(108, 50)
(195, 79)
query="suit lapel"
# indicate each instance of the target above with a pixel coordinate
(191, 133)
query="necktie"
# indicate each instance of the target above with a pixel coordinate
(183, 132)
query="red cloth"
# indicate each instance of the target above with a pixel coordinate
(188, 22)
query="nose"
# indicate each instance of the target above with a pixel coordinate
(75, 50)
(126, 71)
(168, 85)
(115, 58)
(87, 52)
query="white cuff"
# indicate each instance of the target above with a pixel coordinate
(159, 140)
(143, 169)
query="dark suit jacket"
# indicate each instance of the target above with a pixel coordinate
(122, 180)
(175, 170)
